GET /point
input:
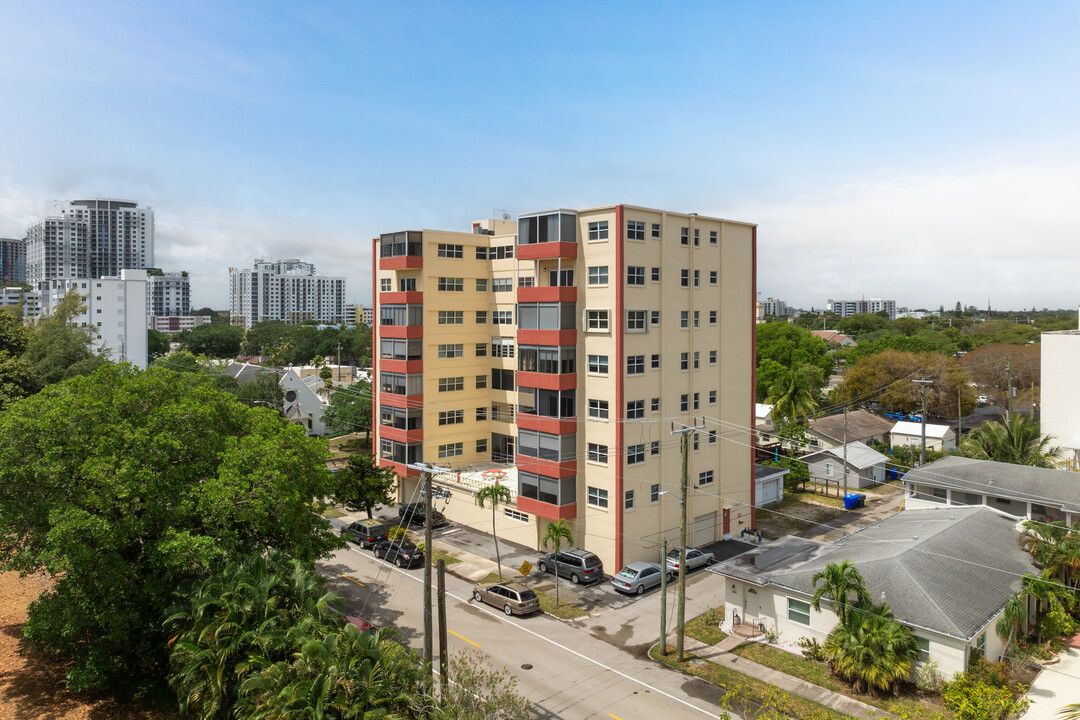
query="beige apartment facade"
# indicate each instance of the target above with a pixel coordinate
(555, 355)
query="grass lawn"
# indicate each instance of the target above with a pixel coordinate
(331, 512)
(564, 611)
(906, 706)
(706, 627)
(749, 696)
(819, 499)
(440, 555)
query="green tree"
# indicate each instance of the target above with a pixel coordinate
(1055, 547)
(124, 483)
(263, 390)
(16, 373)
(58, 349)
(792, 399)
(157, 344)
(1012, 620)
(350, 409)
(1052, 597)
(887, 377)
(872, 650)
(1016, 441)
(554, 536)
(844, 585)
(861, 324)
(362, 484)
(791, 347)
(495, 494)
(216, 341)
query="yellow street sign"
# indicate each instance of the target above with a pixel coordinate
(525, 568)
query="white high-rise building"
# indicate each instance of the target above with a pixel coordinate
(90, 238)
(115, 309)
(168, 294)
(846, 308)
(287, 290)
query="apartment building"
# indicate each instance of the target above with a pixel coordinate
(287, 290)
(115, 309)
(846, 308)
(170, 324)
(168, 293)
(12, 261)
(555, 355)
(28, 302)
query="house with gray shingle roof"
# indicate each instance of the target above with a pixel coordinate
(945, 572)
(1029, 492)
(865, 465)
(862, 425)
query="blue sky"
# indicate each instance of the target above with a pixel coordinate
(925, 152)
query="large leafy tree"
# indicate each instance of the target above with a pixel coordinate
(58, 349)
(1017, 440)
(16, 373)
(888, 378)
(999, 366)
(350, 409)
(362, 484)
(216, 341)
(1055, 547)
(157, 344)
(792, 398)
(124, 483)
(843, 584)
(791, 347)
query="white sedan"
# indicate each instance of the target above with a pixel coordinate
(694, 559)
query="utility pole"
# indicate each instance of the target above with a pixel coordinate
(922, 390)
(959, 417)
(683, 487)
(339, 361)
(1008, 369)
(845, 456)
(663, 602)
(444, 681)
(427, 470)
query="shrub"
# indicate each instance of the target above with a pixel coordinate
(971, 697)
(812, 649)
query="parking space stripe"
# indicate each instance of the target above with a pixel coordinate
(352, 580)
(461, 637)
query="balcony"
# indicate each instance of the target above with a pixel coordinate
(547, 510)
(547, 381)
(401, 250)
(547, 293)
(547, 251)
(407, 297)
(553, 425)
(401, 469)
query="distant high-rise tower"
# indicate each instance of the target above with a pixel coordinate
(285, 290)
(168, 294)
(12, 261)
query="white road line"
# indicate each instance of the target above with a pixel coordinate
(501, 618)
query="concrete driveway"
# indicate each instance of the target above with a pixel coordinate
(1056, 686)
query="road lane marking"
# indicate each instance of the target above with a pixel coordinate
(462, 637)
(614, 716)
(354, 581)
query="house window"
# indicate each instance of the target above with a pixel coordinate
(635, 454)
(684, 402)
(924, 649)
(684, 361)
(502, 379)
(514, 514)
(712, 437)
(712, 277)
(705, 478)
(598, 230)
(656, 231)
(481, 349)
(597, 453)
(502, 317)
(635, 364)
(697, 356)
(481, 382)
(684, 319)
(635, 275)
(598, 409)
(684, 236)
(635, 230)
(502, 284)
(656, 361)
(481, 285)
(712, 357)
(597, 320)
(597, 497)
(448, 284)
(481, 317)
(654, 492)
(798, 611)
(598, 275)
(697, 237)
(654, 404)
(451, 384)
(697, 318)
(712, 317)
(451, 317)
(451, 450)
(526, 281)
(451, 251)
(481, 412)
(655, 318)
(502, 347)
(828, 469)
(451, 351)
(635, 321)
(712, 237)
(384, 285)
(656, 274)
(598, 364)
(697, 439)
(451, 417)
(684, 278)
(712, 397)
(635, 409)
(628, 499)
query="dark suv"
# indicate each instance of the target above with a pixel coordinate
(581, 566)
(415, 514)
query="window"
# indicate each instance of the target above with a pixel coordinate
(448, 284)
(481, 284)
(684, 319)
(924, 649)
(399, 384)
(628, 499)
(656, 361)
(697, 318)
(684, 402)
(635, 275)
(597, 497)
(696, 357)
(712, 317)
(635, 454)
(546, 446)
(798, 611)
(451, 317)
(684, 278)
(654, 448)
(655, 319)
(401, 348)
(654, 492)
(712, 237)
(697, 278)
(598, 364)
(384, 285)
(499, 252)
(697, 404)
(481, 382)
(555, 491)
(598, 409)
(481, 349)
(697, 237)
(598, 230)
(451, 251)
(684, 236)
(654, 404)
(547, 316)
(712, 397)
(656, 230)
(635, 230)
(712, 277)
(684, 361)
(512, 514)
(712, 437)
(636, 321)
(635, 364)
(547, 359)
(400, 315)
(597, 320)
(481, 414)
(597, 453)
(502, 347)
(450, 384)
(526, 281)
(705, 478)
(481, 317)
(407, 284)
(451, 417)
(829, 469)
(502, 379)
(635, 409)
(598, 275)
(451, 351)
(656, 274)
(712, 357)
(502, 284)
(502, 317)
(451, 450)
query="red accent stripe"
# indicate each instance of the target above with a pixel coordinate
(620, 378)
(374, 339)
(753, 375)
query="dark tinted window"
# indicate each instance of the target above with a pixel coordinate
(526, 595)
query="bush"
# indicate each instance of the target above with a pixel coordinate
(971, 696)
(1057, 624)
(812, 649)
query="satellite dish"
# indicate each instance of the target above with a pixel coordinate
(506, 216)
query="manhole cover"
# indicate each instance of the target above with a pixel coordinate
(526, 666)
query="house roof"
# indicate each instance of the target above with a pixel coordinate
(762, 410)
(861, 425)
(949, 569)
(903, 427)
(859, 455)
(763, 472)
(1044, 486)
(833, 337)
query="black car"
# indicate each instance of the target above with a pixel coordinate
(400, 552)
(415, 514)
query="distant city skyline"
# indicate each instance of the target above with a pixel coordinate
(924, 153)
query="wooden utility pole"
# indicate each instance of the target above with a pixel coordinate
(845, 456)
(444, 669)
(922, 389)
(663, 601)
(428, 640)
(683, 489)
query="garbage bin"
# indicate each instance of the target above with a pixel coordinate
(851, 501)
(862, 500)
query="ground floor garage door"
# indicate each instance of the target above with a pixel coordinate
(704, 529)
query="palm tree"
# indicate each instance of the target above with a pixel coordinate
(792, 399)
(1016, 441)
(496, 494)
(1048, 592)
(844, 585)
(1070, 712)
(873, 651)
(556, 533)
(1013, 619)
(1055, 547)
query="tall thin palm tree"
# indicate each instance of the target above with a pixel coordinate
(496, 494)
(843, 583)
(1013, 619)
(1016, 441)
(556, 533)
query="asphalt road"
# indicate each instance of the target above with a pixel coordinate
(591, 668)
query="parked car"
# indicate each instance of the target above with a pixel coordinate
(694, 559)
(365, 532)
(513, 597)
(415, 514)
(581, 566)
(400, 552)
(637, 577)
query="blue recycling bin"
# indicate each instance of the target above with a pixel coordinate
(851, 501)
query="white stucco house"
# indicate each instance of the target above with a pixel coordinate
(304, 401)
(945, 572)
(938, 437)
(865, 465)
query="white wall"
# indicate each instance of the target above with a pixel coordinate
(1060, 390)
